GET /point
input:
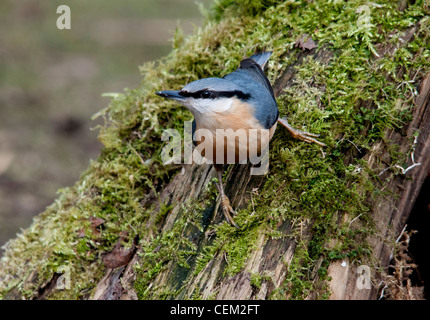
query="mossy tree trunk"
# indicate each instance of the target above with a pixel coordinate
(322, 229)
(267, 265)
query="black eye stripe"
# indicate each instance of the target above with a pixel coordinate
(205, 94)
(208, 94)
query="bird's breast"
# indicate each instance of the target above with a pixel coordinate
(232, 136)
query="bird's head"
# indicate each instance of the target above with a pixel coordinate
(207, 95)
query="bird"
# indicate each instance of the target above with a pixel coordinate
(242, 100)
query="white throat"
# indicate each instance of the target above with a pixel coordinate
(205, 106)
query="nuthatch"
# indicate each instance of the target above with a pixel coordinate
(243, 99)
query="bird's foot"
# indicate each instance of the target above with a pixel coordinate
(228, 210)
(301, 135)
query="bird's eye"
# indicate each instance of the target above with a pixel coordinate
(205, 94)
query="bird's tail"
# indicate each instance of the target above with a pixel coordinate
(261, 58)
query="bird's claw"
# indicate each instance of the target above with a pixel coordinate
(306, 137)
(228, 211)
(301, 135)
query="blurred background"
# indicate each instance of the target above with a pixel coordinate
(51, 83)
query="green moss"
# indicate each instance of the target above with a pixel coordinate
(257, 279)
(234, 244)
(173, 246)
(242, 8)
(351, 101)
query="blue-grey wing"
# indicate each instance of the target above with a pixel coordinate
(251, 76)
(255, 70)
(250, 69)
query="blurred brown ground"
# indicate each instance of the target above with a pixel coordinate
(51, 83)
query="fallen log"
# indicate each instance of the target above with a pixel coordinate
(322, 224)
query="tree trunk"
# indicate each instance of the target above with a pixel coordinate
(271, 256)
(271, 266)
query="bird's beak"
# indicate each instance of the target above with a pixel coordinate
(170, 94)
